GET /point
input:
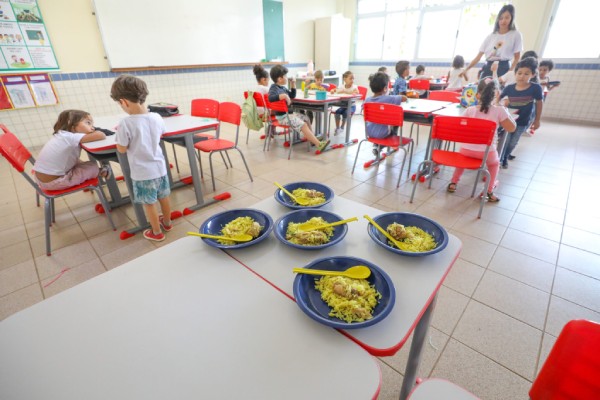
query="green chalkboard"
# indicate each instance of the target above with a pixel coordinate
(273, 21)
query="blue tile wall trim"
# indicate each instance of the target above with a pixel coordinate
(107, 74)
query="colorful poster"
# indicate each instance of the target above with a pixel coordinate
(24, 41)
(18, 90)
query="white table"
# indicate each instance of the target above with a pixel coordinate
(417, 279)
(185, 321)
(178, 128)
(440, 389)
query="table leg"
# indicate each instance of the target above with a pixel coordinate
(142, 222)
(348, 119)
(416, 351)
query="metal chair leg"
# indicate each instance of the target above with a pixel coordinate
(212, 174)
(175, 157)
(245, 164)
(47, 219)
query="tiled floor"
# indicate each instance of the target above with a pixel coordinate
(527, 267)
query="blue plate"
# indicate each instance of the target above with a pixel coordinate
(285, 200)
(309, 299)
(407, 219)
(300, 216)
(214, 224)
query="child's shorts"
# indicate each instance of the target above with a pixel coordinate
(295, 121)
(342, 111)
(151, 190)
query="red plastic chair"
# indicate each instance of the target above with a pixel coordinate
(363, 95)
(18, 155)
(571, 371)
(460, 130)
(281, 106)
(445, 95)
(419, 84)
(391, 115)
(259, 99)
(230, 113)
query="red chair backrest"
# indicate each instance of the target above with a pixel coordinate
(332, 86)
(419, 84)
(230, 112)
(463, 130)
(363, 92)
(384, 114)
(206, 108)
(444, 95)
(259, 98)
(280, 105)
(13, 150)
(572, 369)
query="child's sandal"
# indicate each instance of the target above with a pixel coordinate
(451, 187)
(492, 198)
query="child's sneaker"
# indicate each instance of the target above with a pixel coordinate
(148, 234)
(323, 145)
(338, 131)
(164, 226)
(511, 157)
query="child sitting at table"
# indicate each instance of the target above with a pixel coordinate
(318, 84)
(487, 94)
(455, 80)
(526, 98)
(298, 122)
(139, 135)
(420, 73)
(401, 84)
(348, 87)
(379, 86)
(262, 80)
(58, 166)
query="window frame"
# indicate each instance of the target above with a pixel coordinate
(422, 10)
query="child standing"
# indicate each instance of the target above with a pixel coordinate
(298, 122)
(455, 80)
(379, 86)
(138, 135)
(544, 79)
(347, 88)
(58, 165)
(526, 98)
(401, 85)
(487, 93)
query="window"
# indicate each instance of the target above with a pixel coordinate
(574, 30)
(422, 29)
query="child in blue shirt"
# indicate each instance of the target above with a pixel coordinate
(525, 97)
(379, 86)
(401, 84)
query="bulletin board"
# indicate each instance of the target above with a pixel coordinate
(153, 33)
(26, 90)
(24, 42)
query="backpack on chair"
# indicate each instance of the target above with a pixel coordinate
(250, 115)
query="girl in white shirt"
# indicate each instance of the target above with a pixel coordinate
(58, 165)
(487, 95)
(456, 80)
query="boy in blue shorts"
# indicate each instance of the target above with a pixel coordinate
(525, 97)
(138, 135)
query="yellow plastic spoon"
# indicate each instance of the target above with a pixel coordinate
(243, 237)
(356, 272)
(310, 226)
(302, 202)
(387, 235)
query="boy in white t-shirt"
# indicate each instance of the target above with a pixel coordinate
(138, 135)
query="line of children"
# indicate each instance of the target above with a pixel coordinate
(298, 122)
(139, 135)
(348, 87)
(487, 95)
(526, 98)
(379, 86)
(58, 166)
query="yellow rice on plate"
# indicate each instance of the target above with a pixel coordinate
(351, 300)
(411, 238)
(309, 238)
(314, 197)
(239, 226)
